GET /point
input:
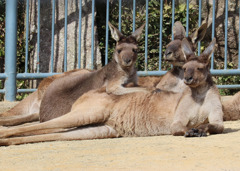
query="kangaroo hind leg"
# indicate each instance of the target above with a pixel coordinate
(18, 119)
(83, 133)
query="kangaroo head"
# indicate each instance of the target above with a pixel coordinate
(126, 48)
(173, 51)
(196, 69)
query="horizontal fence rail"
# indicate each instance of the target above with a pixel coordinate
(10, 75)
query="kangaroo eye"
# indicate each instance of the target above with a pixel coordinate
(199, 69)
(119, 51)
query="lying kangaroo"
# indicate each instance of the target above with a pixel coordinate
(140, 113)
(169, 82)
(172, 81)
(120, 71)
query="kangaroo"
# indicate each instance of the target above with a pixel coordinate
(115, 75)
(195, 112)
(120, 71)
(173, 53)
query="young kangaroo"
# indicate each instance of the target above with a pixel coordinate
(195, 112)
(62, 93)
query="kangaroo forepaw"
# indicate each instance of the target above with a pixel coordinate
(195, 133)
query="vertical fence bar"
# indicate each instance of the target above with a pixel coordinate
(173, 15)
(80, 34)
(187, 21)
(106, 43)
(27, 33)
(53, 20)
(38, 36)
(146, 36)
(160, 36)
(199, 24)
(11, 49)
(213, 30)
(92, 49)
(120, 15)
(239, 37)
(65, 35)
(226, 36)
(134, 14)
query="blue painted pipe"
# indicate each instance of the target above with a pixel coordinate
(92, 49)
(52, 43)
(11, 49)
(134, 15)
(38, 36)
(146, 37)
(106, 43)
(173, 15)
(27, 33)
(120, 15)
(160, 36)
(226, 35)
(187, 21)
(80, 34)
(65, 35)
(199, 24)
(213, 30)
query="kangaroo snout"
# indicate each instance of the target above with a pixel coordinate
(188, 80)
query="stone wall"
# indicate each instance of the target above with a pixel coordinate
(72, 36)
(233, 27)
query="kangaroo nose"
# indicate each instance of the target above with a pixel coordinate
(128, 61)
(167, 54)
(188, 80)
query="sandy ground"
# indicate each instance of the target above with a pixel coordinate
(216, 153)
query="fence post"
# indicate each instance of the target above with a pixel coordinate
(11, 50)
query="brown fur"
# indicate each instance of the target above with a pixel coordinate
(121, 70)
(231, 108)
(138, 114)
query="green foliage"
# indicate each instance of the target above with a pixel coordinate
(153, 29)
(227, 80)
(21, 41)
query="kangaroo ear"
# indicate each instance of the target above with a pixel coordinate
(186, 49)
(178, 31)
(206, 55)
(116, 34)
(199, 34)
(137, 33)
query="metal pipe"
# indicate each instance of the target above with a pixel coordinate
(11, 50)
(92, 49)
(38, 35)
(213, 30)
(80, 34)
(187, 21)
(27, 33)
(65, 35)
(106, 43)
(52, 44)
(226, 36)
(134, 15)
(160, 36)
(120, 15)
(199, 24)
(146, 37)
(173, 15)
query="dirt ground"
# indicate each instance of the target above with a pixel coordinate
(216, 153)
